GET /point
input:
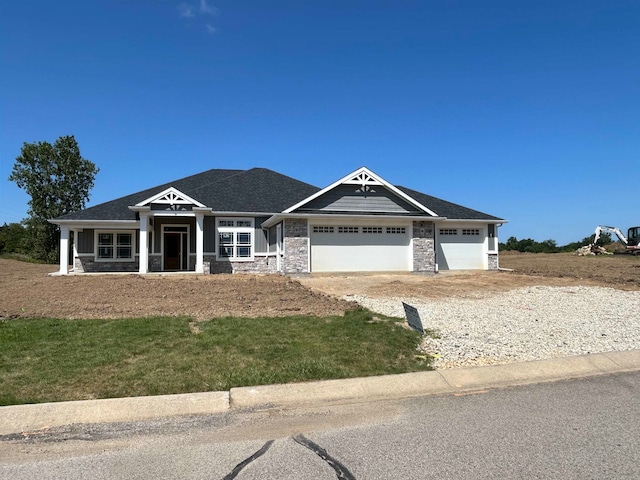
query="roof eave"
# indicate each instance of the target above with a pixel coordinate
(477, 220)
(278, 217)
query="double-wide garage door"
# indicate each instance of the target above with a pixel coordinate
(351, 248)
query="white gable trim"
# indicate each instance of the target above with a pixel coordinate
(366, 178)
(171, 196)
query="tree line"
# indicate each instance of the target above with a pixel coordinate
(529, 245)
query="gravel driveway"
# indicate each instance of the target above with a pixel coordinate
(527, 323)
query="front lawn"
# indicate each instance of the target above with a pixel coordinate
(48, 360)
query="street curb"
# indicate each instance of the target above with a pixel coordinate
(457, 380)
(34, 417)
(349, 389)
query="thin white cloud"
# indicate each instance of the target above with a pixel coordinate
(193, 10)
(186, 10)
(206, 8)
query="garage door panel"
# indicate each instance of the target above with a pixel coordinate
(460, 256)
(359, 258)
(460, 252)
(360, 252)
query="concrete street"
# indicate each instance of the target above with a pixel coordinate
(575, 428)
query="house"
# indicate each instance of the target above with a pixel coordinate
(260, 221)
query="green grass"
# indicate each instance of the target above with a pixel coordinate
(46, 360)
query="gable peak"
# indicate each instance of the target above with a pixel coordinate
(172, 197)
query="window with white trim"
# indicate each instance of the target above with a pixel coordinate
(448, 231)
(471, 231)
(371, 229)
(235, 238)
(397, 230)
(115, 246)
(322, 229)
(348, 229)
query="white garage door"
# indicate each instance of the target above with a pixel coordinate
(460, 249)
(337, 248)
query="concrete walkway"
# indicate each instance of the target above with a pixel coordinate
(34, 417)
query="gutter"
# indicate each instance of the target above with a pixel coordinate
(278, 217)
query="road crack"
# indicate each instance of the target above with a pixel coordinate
(342, 472)
(238, 468)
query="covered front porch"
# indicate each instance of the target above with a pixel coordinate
(158, 241)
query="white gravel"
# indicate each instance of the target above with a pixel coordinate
(524, 324)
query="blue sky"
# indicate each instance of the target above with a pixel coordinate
(527, 110)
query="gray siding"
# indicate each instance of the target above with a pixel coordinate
(157, 231)
(273, 239)
(209, 234)
(85, 241)
(261, 244)
(346, 198)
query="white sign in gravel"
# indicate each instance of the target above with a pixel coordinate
(529, 323)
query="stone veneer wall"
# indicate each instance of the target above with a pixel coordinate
(260, 264)
(424, 253)
(155, 263)
(493, 261)
(89, 265)
(77, 265)
(296, 246)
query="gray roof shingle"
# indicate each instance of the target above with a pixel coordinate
(258, 190)
(447, 209)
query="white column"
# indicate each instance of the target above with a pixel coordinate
(64, 250)
(199, 242)
(143, 256)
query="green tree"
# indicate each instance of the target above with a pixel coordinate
(58, 180)
(13, 239)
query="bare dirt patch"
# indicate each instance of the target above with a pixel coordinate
(616, 271)
(560, 270)
(26, 290)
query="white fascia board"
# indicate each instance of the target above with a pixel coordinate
(185, 199)
(242, 214)
(205, 210)
(466, 220)
(271, 221)
(97, 224)
(278, 217)
(378, 180)
(136, 208)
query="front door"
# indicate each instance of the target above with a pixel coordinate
(172, 250)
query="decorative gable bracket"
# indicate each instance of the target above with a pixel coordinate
(365, 180)
(171, 197)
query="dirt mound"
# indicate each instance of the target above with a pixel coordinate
(591, 250)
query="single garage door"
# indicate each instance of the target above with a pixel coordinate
(460, 249)
(336, 248)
